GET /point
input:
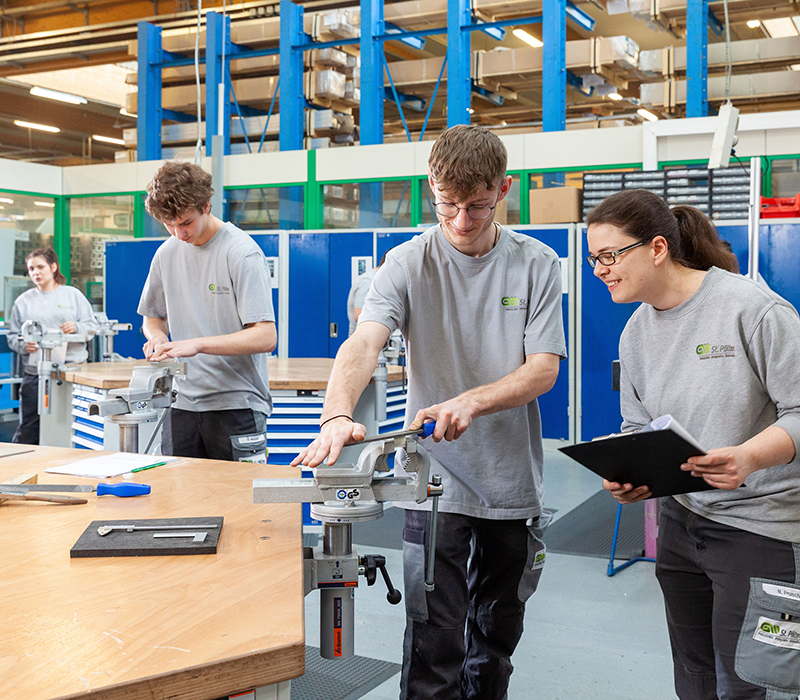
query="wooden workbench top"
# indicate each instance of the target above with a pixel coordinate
(195, 627)
(295, 373)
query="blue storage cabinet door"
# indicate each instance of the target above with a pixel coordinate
(308, 294)
(554, 405)
(602, 322)
(385, 240)
(269, 244)
(779, 259)
(344, 245)
(127, 266)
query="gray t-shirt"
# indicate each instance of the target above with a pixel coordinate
(213, 289)
(358, 293)
(51, 309)
(726, 365)
(469, 322)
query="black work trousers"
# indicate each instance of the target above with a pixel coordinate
(207, 434)
(27, 433)
(460, 637)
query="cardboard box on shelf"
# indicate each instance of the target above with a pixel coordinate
(556, 205)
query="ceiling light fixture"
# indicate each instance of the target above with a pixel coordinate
(38, 127)
(6, 200)
(753, 23)
(614, 96)
(647, 115)
(44, 204)
(108, 139)
(780, 27)
(56, 95)
(527, 38)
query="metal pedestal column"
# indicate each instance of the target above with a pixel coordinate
(337, 605)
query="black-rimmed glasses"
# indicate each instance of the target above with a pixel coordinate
(474, 211)
(610, 258)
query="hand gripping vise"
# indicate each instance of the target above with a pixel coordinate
(343, 494)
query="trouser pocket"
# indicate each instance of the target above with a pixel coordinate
(768, 650)
(414, 533)
(249, 448)
(529, 581)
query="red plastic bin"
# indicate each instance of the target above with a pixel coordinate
(780, 207)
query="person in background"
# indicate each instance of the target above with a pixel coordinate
(479, 307)
(358, 293)
(54, 304)
(721, 354)
(208, 299)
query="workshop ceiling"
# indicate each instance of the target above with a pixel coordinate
(88, 48)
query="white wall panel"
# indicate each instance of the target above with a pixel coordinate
(374, 162)
(267, 168)
(583, 147)
(100, 179)
(30, 177)
(515, 145)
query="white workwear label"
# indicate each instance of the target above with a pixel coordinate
(778, 633)
(249, 439)
(781, 591)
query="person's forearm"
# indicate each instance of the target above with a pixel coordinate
(253, 340)
(771, 447)
(155, 328)
(349, 377)
(536, 377)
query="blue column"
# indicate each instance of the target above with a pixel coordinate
(148, 124)
(697, 58)
(459, 62)
(554, 70)
(290, 80)
(217, 34)
(371, 105)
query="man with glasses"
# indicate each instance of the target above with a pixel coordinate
(479, 306)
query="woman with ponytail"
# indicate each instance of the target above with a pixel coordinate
(54, 305)
(721, 354)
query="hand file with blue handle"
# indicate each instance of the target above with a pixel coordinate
(123, 490)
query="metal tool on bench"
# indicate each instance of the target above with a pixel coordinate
(104, 530)
(8, 494)
(150, 389)
(108, 329)
(123, 490)
(47, 339)
(343, 494)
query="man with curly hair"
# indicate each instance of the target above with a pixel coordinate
(208, 299)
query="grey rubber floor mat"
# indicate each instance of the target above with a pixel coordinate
(345, 679)
(587, 530)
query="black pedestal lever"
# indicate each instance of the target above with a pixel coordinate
(371, 564)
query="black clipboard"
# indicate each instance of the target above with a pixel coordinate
(651, 458)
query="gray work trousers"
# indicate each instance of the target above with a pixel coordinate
(459, 638)
(705, 570)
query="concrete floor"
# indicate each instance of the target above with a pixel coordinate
(586, 636)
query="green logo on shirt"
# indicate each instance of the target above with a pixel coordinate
(703, 349)
(707, 351)
(514, 303)
(219, 289)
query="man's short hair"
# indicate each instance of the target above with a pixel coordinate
(465, 159)
(177, 188)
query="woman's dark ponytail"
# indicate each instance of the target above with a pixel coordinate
(701, 245)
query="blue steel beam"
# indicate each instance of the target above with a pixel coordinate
(148, 124)
(372, 93)
(554, 70)
(218, 35)
(459, 62)
(697, 58)
(577, 15)
(413, 41)
(412, 102)
(290, 80)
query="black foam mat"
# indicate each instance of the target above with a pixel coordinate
(340, 679)
(588, 529)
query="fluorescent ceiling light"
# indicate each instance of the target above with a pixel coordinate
(647, 115)
(527, 38)
(125, 113)
(56, 95)
(614, 96)
(44, 204)
(6, 200)
(781, 27)
(39, 127)
(108, 139)
(753, 23)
